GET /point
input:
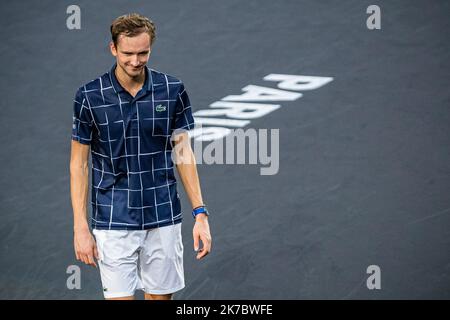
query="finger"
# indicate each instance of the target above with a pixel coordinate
(76, 252)
(88, 261)
(90, 257)
(206, 247)
(207, 240)
(83, 258)
(96, 252)
(202, 253)
(91, 261)
(196, 242)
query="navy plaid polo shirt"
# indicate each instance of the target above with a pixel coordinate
(133, 182)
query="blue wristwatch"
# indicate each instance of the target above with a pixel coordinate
(201, 209)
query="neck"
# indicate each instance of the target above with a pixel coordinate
(128, 82)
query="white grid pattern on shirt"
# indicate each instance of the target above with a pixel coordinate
(111, 158)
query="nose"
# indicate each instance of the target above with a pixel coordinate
(135, 61)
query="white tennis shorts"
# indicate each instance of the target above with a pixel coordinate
(149, 260)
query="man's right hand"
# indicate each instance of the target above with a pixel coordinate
(85, 247)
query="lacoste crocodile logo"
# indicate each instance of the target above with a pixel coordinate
(160, 108)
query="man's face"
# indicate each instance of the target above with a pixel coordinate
(132, 53)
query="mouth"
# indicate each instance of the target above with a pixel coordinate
(136, 68)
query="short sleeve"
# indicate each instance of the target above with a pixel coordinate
(183, 112)
(82, 119)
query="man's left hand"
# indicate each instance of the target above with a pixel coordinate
(201, 232)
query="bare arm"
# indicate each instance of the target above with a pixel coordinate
(84, 244)
(79, 175)
(187, 169)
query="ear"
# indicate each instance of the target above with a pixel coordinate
(113, 49)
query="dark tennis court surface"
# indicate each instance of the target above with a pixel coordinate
(364, 160)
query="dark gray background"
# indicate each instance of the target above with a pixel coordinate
(364, 161)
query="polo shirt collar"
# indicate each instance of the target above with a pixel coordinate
(148, 83)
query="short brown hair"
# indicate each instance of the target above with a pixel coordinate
(131, 25)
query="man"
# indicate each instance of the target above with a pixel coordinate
(132, 119)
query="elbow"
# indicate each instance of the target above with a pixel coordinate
(184, 158)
